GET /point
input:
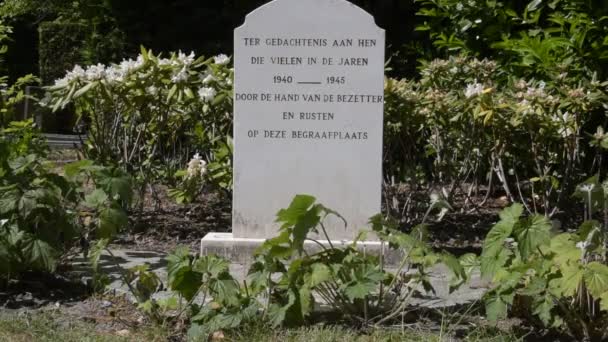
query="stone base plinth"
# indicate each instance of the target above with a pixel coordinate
(241, 250)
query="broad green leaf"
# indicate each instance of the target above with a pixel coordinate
(604, 301)
(225, 289)
(73, 169)
(277, 313)
(185, 282)
(511, 215)
(531, 233)
(359, 289)
(596, 278)
(115, 183)
(40, 254)
(565, 250)
(31, 200)
(303, 226)
(469, 263)
(197, 332)
(298, 207)
(534, 287)
(496, 309)
(490, 264)
(96, 199)
(494, 242)
(320, 274)
(9, 198)
(567, 285)
(111, 220)
(306, 300)
(211, 265)
(542, 307)
(170, 303)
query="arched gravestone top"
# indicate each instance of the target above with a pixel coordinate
(308, 113)
(319, 9)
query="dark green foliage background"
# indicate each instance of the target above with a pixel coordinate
(60, 48)
(206, 27)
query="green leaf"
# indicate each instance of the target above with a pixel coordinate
(469, 263)
(277, 313)
(604, 301)
(71, 170)
(303, 226)
(40, 254)
(298, 207)
(84, 89)
(531, 233)
(96, 199)
(496, 308)
(225, 289)
(596, 278)
(320, 274)
(533, 5)
(111, 220)
(564, 248)
(116, 183)
(211, 265)
(586, 227)
(567, 285)
(534, 287)
(96, 251)
(197, 332)
(490, 264)
(360, 289)
(542, 308)
(9, 198)
(495, 239)
(305, 300)
(172, 92)
(181, 277)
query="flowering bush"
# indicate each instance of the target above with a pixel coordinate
(150, 114)
(476, 124)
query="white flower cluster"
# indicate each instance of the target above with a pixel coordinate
(180, 66)
(473, 89)
(221, 59)
(111, 74)
(197, 167)
(207, 78)
(207, 94)
(183, 60)
(566, 124)
(180, 76)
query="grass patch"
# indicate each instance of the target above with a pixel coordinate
(343, 334)
(51, 327)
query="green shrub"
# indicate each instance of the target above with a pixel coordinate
(466, 122)
(43, 214)
(152, 114)
(285, 280)
(557, 281)
(60, 48)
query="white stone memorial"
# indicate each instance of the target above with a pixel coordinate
(308, 116)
